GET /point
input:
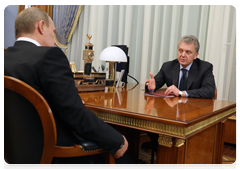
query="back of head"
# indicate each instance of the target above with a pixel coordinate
(189, 39)
(26, 20)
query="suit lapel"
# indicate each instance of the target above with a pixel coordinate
(175, 74)
(192, 74)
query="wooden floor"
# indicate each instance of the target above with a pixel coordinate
(229, 152)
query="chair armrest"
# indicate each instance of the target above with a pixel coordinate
(89, 146)
(82, 149)
(73, 151)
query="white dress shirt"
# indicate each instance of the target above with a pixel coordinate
(181, 74)
(28, 40)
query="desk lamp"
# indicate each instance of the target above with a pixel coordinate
(113, 55)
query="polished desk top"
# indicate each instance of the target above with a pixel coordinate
(180, 111)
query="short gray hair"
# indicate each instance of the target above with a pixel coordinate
(189, 39)
(26, 20)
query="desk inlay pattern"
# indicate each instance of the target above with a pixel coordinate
(172, 130)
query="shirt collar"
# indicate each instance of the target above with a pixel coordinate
(29, 40)
(188, 67)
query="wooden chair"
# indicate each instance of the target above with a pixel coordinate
(215, 94)
(30, 134)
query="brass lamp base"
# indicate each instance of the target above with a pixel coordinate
(112, 72)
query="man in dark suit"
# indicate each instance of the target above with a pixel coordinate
(34, 60)
(199, 79)
(186, 76)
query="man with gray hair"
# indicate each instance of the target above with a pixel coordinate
(186, 76)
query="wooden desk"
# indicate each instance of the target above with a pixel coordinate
(190, 130)
(230, 130)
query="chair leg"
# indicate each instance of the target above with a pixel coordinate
(109, 158)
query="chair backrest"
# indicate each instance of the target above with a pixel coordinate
(215, 94)
(29, 127)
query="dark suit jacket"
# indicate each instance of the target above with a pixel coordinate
(200, 82)
(47, 70)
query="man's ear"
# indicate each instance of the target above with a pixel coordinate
(196, 55)
(40, 26)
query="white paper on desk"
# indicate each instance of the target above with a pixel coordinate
(120, 78)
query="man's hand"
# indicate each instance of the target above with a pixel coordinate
(172, 90)
(122, 150)
(151, 82)
(83, 102)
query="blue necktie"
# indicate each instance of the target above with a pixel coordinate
(183, 82)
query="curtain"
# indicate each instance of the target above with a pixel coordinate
(221, 49)
(65, 18)
(152, 34)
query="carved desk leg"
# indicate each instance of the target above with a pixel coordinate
(170, 150)
(219, 142)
